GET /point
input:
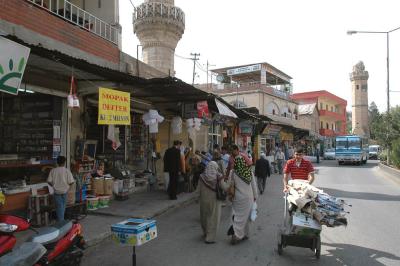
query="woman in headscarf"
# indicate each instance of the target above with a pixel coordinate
(244, 197)
(210, 207)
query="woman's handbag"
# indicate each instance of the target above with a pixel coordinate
(221, 194)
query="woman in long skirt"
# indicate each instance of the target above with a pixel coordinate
(210, 207)
(244, 197)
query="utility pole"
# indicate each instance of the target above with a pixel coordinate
(195, 58)
(208, 64)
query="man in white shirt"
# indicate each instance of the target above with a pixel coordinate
(279, 158)
(60, 178)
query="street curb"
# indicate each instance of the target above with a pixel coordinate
(394, 174)
(103, 236)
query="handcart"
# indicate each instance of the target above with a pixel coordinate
(288, 237)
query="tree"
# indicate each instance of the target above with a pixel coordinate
(375, 119)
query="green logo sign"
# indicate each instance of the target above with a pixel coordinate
(13, 59)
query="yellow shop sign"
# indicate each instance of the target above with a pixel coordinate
(114, 107)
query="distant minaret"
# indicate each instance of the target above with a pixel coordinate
(159, 25)
(359, 89)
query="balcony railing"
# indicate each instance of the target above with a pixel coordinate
(235, 87)
(79, 17)
(159, 10)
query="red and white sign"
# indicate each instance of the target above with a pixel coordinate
(202, 109)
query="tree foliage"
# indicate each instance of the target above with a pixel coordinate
(385, 129)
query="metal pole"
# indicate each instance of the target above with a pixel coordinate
(134, 256)
(388, 94)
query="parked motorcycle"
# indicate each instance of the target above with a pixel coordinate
(60, 244)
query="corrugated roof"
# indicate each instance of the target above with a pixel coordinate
(306, 109)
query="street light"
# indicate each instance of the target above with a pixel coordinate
(351, 32)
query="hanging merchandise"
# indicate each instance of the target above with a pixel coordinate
(73, 100)
(176, 125)
(113, 135)
(193, 124)
(151, 119)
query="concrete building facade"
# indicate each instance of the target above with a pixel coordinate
(332, 112)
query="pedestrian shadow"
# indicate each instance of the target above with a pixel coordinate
(329, 163)
(360, 195)
(348, 254)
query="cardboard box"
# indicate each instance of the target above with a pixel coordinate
(304, 224)
(134, 232)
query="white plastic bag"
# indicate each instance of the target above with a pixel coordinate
(253, 213)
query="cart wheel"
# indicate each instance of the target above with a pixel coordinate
(318, 248)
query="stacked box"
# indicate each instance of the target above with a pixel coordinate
(134, 232)
(304, 224)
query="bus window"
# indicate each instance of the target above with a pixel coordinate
(354, 143)
(341, 143)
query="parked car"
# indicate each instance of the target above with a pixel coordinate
(329, 154)
(374, 151)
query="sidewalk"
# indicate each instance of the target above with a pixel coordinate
(97, 224)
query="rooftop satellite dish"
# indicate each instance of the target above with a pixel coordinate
(220, 78)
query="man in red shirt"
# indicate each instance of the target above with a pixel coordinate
(298, 168)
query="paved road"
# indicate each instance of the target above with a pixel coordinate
(371, 238)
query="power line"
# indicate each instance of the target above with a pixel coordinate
(182, 57)
(132, 4)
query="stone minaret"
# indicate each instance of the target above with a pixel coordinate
(159, 25)
(359, 90)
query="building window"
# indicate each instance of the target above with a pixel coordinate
(272, 108)
(327, 107)
(321, 106)
(327, 126)
(332, 127)
(322, 125)
(357, 87)
(364, 87)
(331, 108)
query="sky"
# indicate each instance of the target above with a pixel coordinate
(305, 39)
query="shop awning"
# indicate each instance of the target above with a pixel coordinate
(224, 110)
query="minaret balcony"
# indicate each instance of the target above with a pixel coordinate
(159, 12)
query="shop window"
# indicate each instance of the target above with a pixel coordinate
(214, 135)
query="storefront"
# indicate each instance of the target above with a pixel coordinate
(34, 132)
(269, 138)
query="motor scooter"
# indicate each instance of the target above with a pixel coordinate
(59, 244)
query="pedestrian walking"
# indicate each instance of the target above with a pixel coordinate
(235, 152)
(279, 159)
(298, 168)
(60, 178)
(262, 171)
(210, 206)
(172, 165)
(244, 196)
(291, 152)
